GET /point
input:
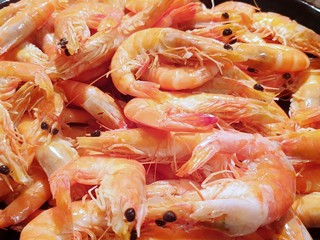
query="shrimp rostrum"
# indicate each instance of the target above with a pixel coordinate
(260, 189)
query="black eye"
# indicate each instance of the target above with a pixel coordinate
(286, 75)
(227, 32)
(225, 15)
(44, 126)
(54, 131)
(133, 235)
(95, 133)
(258, 87)
(227, 46)
(169, 216)
(252, 70)
(4, 169)
(160, 222)
(67, 53)
(130, 214)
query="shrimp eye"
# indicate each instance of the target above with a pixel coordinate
(233, 41)
(130, 214)
(4, 169)
(258, 87)
(54, 131)
(63, 42)
(227, 32)
(160, 222)
(169, 216)
(286, 75)
(227, 46)
(252, 70)
(225, 15)
(95, 133)
(44, 126)
(67, 53)
(133, 235)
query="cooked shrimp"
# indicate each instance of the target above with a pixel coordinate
(307, 208)
(199, 112)
(172, 78)
(305, 102)
(238, 205)
(176, 45)
(87, 218)
(55, 154)
(117, 194)
(308, 174)
(29, 200)
(302, 145)
(273, 57)
(24, 22)
(287, 32)
(99, 104)
(12, 148)
(101, 46)
(143, 144)
(72, 25)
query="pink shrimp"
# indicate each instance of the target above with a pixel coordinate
(116, 194)
(199, 112)
(227, 203)
(72, 25)
(99, 104)
(23, 23)
(29, 200)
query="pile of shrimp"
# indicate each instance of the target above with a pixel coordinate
(158, 119)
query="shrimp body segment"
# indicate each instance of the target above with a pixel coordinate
(99, 104)
(116, 194)
(261, 190)
(20, 26)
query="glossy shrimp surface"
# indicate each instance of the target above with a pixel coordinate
(157, 119)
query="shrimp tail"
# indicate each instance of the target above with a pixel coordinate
(145, 89)
(202, 153)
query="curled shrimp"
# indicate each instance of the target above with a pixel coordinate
(29, 200)
(116, 193)
(251, 190)
(23, 23)
(72, 25)
(101, 46)
(169, 43)
(305, 102)
(287, 32)
(199, 112)
(87, 220)
(99, 104)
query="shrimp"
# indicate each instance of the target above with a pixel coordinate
(12, 149)
(51, 224)
(23, 23)
(55, 154)
(29, 200)
(307, 180)
(174, 44)
(117, 194)
(227, 204)
(9, 11)
(274, 57)
(101, 46)
(199, 112)
(72, 25)
(143, 144)
(172, 78)
(287, 32)
(99, 104)
(305, 102)
(307, 208)
(301, 145)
